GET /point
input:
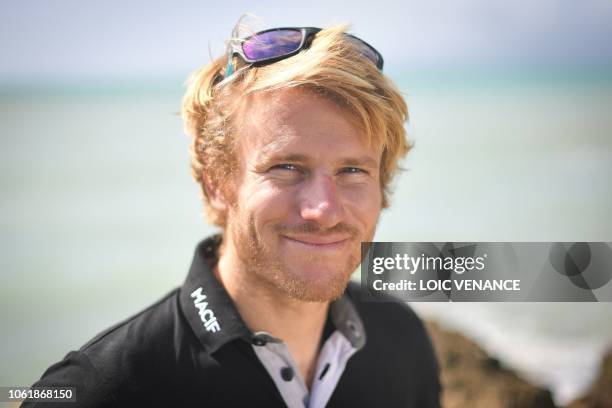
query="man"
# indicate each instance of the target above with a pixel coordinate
(296, 137)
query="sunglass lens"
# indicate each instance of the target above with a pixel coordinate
(272, 44)
(367, 51)
(372, 56)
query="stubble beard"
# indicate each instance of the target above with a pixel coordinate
(264, 267)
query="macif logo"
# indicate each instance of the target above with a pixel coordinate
(206, 315)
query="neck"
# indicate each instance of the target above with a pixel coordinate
(265, 308)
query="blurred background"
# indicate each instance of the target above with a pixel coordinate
(511, 116)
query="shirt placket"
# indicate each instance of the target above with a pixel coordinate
(274, 355)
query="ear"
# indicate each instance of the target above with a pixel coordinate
(216, 196)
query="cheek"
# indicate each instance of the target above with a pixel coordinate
(365, 204)
(266, 203)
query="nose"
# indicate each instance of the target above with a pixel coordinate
(320, 201)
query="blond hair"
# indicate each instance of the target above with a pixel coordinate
(332, 66)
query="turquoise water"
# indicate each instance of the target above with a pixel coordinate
(99, 216)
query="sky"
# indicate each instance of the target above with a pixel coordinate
(82, 40)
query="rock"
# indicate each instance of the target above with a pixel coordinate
(472, 378)
(600, 394)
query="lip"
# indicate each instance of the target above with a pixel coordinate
(320, 242)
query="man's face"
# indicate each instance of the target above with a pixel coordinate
(306, 194)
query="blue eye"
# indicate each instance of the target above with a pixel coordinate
(285, 166)
(353, 170)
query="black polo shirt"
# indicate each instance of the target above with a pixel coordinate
(176, 354)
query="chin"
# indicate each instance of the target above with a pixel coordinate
(316, 282)
(315, 292)
(318, 271)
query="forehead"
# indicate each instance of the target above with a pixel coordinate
(297, 119)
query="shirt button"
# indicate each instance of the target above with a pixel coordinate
(258, 341)
(353, 327)
(286, 373)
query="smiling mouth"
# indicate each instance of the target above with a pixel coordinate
(315, 242)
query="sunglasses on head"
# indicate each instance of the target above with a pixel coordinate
(275, 44)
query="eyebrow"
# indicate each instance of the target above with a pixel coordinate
(274, 152)
(362, 161)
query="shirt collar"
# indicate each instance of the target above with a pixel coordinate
(203, 299)
(213, 317)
